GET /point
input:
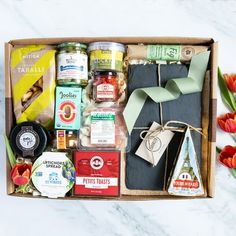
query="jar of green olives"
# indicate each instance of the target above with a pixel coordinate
(72, 64)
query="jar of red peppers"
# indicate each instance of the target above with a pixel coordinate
(105, 86)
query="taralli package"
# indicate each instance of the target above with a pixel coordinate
(33, 83)
(164, 52)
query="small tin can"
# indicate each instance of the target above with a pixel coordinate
(72, 64)
(28, 139)
(54, 174)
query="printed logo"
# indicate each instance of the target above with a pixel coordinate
(53, 178)
(188, 52)
(96, 162)
(27, 140)
(67, 112)
(153, 144)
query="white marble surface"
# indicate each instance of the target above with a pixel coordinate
(52, 18)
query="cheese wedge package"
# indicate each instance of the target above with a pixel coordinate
(186, 177)
(33, 83)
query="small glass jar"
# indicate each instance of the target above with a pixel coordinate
(106, 56)
(72, 64)
(72, 139)
(64, 139)
(105, 86)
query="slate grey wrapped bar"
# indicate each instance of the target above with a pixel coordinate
(187, 108)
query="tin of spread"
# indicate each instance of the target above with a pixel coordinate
(28, 139)
(106, 55)
(97, 173)
(53, 174)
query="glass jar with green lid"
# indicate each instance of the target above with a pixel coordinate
(106, 56)
(72, 64)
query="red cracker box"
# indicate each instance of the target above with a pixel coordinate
(97, 173)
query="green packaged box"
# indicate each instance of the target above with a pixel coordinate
(68, 108)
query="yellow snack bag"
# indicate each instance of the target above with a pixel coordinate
(33, 83)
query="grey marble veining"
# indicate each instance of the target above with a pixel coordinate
(57, 18)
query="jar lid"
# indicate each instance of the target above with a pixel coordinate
(28, 139)
(106, 46)
(72, 44)
(104, 73)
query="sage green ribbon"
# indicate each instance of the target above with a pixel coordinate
(173, 89)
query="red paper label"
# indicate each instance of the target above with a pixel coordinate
(97, 173)
(186, 183)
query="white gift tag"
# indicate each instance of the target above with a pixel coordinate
(152, 148)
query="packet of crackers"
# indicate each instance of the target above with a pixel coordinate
(33, 83)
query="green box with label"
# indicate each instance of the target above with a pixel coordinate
(68, 108)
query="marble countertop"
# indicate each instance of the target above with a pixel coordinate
(57, 18)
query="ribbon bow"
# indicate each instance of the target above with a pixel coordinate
(173, 89)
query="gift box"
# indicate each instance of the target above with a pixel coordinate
(139, 181)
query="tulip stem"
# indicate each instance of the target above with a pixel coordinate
(233, 172)
(233, 135)
(10, 154)
(27, 188)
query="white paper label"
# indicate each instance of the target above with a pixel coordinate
(105, 91)
(72, 65)
(27, 140)
(153, 148)
(103, 128)
(96, 182)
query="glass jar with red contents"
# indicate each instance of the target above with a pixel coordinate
(105, 86)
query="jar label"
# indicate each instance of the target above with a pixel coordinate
(72, 66)
(61, 139)
(106, 59)
(103, 128)
(27, 140)
(105, 91)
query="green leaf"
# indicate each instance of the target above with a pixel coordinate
(35, 168)
(10, 154)
(218, 150)
(227, 96)
(233, 172)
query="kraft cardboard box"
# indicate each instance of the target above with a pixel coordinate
(208, 112)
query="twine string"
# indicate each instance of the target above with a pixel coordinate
(150, 135)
